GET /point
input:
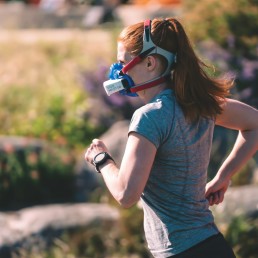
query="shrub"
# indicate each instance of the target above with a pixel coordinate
(242, 233)
(33, 176)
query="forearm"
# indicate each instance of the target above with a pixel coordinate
(121, 189)
(110, 174)
(245, 147)
(126, 183)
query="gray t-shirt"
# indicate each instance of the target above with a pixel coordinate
(176, 213)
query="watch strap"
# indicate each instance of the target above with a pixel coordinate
(103, 161)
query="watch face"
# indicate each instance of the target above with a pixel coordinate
(99, 157)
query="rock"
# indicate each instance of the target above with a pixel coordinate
(142, 12)
(17, 227)
(22, 16)
(17, 143)
(93, 16)
(87, 179)
(115, 138)
(240, 200)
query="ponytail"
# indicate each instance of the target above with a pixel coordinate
(197, 93)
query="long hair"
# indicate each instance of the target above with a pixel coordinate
(198, 94)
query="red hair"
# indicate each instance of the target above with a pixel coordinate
(197, 93)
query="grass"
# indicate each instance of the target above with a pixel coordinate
(40, 76)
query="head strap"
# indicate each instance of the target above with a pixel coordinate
(150, 48)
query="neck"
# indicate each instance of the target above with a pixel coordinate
(149, 94)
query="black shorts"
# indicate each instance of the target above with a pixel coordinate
(213, 247)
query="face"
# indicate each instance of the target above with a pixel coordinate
(138, 73)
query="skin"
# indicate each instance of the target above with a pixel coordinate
(127, 183)
(238, 116)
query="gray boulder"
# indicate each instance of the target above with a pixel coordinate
(87, 179)
(240, 200)
(28, 226)
(16, 143)
(115, 139)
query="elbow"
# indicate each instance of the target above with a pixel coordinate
(251, 137)
(126, 205)
(126, 201)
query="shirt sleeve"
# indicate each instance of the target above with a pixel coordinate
(147, 122)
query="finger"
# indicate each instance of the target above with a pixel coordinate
(96, 141)
(207, 190)
(207, 194)
(87, 155)
(215, 198)
(210, 199)
(221, 197)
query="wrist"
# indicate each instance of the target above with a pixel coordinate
(224, 175)
(107, 165)
(101, 159)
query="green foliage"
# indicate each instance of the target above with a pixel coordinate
(244, 27)
(131, 226)
(124, 239)
(129, 231)
(221, 20)
(32, 176)
(242, 233)
(40, 91)
(62, 124)
(245, 175)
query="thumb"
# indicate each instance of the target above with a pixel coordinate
(96, 141)
(208, 190)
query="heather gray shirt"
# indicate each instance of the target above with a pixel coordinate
(176, 213)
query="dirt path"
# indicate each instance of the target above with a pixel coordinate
(55, 35)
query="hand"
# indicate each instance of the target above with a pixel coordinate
(215, 190)
(96, 147)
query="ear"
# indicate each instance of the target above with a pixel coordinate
(151, 62)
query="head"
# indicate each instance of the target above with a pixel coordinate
(162, 34)
(197, 93)
(149, 68)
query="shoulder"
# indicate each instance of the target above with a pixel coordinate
(149, 109)
(154, 120)
(162, 105)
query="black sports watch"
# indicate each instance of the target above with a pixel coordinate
(100, 159)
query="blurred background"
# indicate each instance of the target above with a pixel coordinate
(54, 57)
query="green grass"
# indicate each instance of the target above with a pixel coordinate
(41, 94)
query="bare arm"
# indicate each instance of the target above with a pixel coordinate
(241, 117)
(127, 183)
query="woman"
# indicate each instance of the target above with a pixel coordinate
(169, 140)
